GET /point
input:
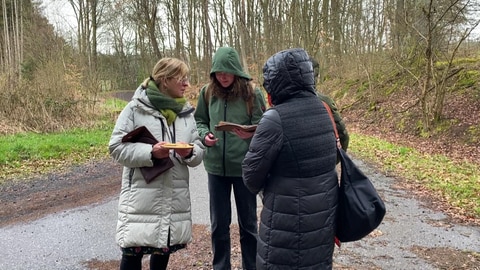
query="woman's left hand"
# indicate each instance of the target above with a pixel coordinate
(184, 152)
(243, 134)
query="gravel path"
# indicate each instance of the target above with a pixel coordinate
(412, 235)
(67, 238)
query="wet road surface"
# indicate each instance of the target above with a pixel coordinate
(67, 239)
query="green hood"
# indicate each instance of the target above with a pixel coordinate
(226, 59)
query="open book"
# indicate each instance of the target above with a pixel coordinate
(228, 126)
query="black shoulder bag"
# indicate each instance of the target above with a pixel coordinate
(360, 209)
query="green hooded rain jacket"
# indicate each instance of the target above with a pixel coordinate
(226, 156)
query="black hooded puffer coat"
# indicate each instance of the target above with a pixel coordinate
(292, 158)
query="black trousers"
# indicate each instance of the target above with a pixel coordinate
(220, 190)
(157, 262)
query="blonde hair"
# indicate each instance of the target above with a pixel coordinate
(167, 68)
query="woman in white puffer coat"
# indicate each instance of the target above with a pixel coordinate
(154, 216)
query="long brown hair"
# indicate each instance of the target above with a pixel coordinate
(241, 88)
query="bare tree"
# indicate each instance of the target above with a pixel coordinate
(173, 10)
(398, 25)
(88, 14)
(7, 55)
(12, 40)
(336, 27)
(441, 29)
(206, 37)
(146, 17)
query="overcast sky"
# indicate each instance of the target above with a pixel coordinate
(61, 15)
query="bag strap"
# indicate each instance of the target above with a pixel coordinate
(339, 146)
(337, 138)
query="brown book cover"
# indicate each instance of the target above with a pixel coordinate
(143, 135)
(140, 134)
(228, 126)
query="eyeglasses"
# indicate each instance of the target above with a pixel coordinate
(183, 80)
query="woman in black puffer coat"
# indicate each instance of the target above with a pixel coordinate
(292, 159)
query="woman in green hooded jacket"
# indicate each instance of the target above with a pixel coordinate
(231, 97)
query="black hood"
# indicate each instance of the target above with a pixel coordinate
(288, 74)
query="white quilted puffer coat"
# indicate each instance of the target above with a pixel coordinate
(146, 212)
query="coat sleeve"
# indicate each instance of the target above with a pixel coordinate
(201, 114)
(198, 148)
(263, 150)
(131, 155)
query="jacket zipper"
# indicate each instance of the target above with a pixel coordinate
(224, 140)
(130, 177)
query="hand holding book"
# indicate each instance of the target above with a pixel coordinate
(143, 135)
(229, 126)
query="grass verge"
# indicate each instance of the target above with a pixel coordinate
(457, 183)
(27, 154)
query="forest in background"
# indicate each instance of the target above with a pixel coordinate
(417, 53)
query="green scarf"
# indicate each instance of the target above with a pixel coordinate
(167, 106)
